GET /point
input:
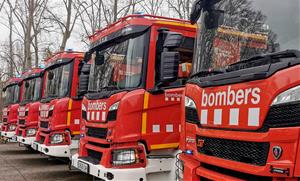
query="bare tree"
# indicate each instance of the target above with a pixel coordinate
(66, 23)
(181, 8)
(153, 7)
(29, 14)
(114, 9)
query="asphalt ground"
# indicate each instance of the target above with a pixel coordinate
(19, 164)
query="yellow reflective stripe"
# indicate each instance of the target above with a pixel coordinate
(69, 112)
(164, 146)
(146, 100)
(75, 132)
(144, 114)
(187, 25)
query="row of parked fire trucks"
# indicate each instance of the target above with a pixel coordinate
(129, 108)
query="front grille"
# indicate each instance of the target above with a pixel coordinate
(255, 153)
(283, 115)
(93, 157)
(44, 124)
(4, 120)
(191, 115)
(236, 174)
(99, 144)
(22, 121)
(42, 140)
(97, 132)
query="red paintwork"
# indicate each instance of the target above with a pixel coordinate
(12, 109)
(31, 119)
(287, 138)
(58, 121)
(126, 131)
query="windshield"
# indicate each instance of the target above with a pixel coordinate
(250, 27)
(11, 94)
(121, 66)
(32, 89)
(58, 81)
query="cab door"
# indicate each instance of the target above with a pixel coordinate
(162, 106)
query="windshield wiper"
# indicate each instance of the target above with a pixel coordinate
(205, 73)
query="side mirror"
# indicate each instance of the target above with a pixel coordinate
(214, 19)
(87, 56)
(99, 60)
(173, 40)
(84, 79)
(200, 6)
(50, 75)
(169, 66)
(26, 84)
(196, 11)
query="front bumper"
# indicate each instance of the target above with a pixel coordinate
(25, 140)
(8, 134)
(64, 151)
(100, 171)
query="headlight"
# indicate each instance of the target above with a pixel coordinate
(124, 157)
(112, 112)
(57, 138)
(26, 111)
(30, 132)
(50, 112)
(188, 102)
(191, 113)
(12, 127)
(290, 95)
(114, 107)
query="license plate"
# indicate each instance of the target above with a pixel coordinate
(35, 146)
(14, 138)
(84, 167)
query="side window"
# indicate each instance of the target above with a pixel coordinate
(186, 56)
(65, 80)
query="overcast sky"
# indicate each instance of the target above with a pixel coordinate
(283, 17)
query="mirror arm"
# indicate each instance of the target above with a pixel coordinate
(157, 90)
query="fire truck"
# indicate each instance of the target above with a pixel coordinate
(131, 113)
(28, 111)
(60, 107)
(12, 95)
(241, 120)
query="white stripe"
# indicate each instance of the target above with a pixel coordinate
(103, 116)
(253, 116)
(155, 128)
(88, 115)
(203, 116)
(179, 128)
(169, 128)
(98, 116)
(234, 117)
(93, 116)
(217, 116)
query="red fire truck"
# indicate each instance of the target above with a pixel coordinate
(131, 116)
(242, 120)
(12, 96)
(28, 111)
(60, 107)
